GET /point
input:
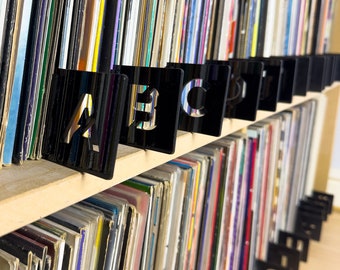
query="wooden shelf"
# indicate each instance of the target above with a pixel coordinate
(39, 188)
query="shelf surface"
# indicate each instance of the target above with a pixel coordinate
(39, 188)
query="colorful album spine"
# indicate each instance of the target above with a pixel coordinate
(17, 85)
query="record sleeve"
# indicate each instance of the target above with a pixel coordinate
(25, 257)
(97, 32)
(148, 33)
(25, 95)
(97, 218)
(74, 223)
(268, 46)
(119, 29)
(209, 215)
(6, 59)
(130, 32)
(168, 32)
(72, 240)
(176, 52)
(65, 34)
(10, 79)
(137, 43)
(39, 250)
(167, 246)
(189, 169)
(158, 33)
(262, 27)
(192, 208)
(265, 192)
(52, 63)
(92, 220)
(42, 80)
(225, 201)
(198, 206)
(8, 261)
(5, 9)
(55, 245)
(193, 29)
(141, 201)
(35, 76)
(203, 36)
(155, 190)
(116, 228)
(215, 29)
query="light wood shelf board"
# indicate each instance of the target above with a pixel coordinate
(39, 188)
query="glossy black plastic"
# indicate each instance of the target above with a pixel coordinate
(84, 119)
(203, 97)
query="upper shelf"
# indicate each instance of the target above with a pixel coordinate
(39, 188)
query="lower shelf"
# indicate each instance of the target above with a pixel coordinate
(39, 188)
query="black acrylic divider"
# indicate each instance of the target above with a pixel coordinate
(295, 241)
(245, 88)
(283, 256)
(311, 212)
(83, 120)
(336, 71)
(324, 197)
(302, 75)
(288, 80)
(314, 207)
(308, 224)
(318, 73)
(271, 83)
(150, 119)
(203, 97)
(263, 265)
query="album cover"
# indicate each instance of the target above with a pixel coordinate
(8, 261)
(225, 201)
(72, 240)
(130, 34)
(174, 186)
(198, 205)
(215, 29)
(97, 218)
(165, 49)
(4, 13)
(155, 190)
(42, 80)
(7, 62)
(140, 200)
(55, 245)
(177, 40)
(57, 249)
(148, 29)
(25, 95)
(10, 77)
(209, 215)
(119, 32)
(65, 34)
(116, 230)
(83, 224)
(38, 250)
(35, 76)
(25, 257)
(156, 47)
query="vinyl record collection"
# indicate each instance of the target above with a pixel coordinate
(39, 37)
(77, 77)
(217, 207)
